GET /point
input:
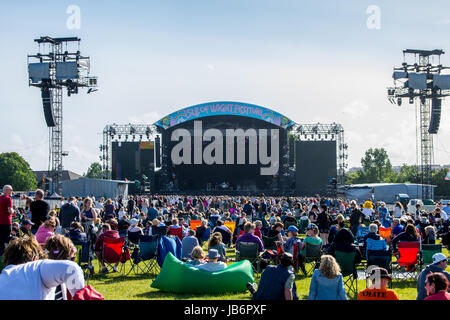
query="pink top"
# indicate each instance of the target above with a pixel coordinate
(441, 295)
(42, 234)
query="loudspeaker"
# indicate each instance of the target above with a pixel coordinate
(46, 95)
(158, 151)
(435, 116)
(291, 152)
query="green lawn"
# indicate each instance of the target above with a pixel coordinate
(113, 286)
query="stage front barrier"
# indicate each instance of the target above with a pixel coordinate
(195, 224)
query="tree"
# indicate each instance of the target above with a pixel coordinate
(94, 171)
(14, 170)
(377, 166)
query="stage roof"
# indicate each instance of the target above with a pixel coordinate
(225, 108)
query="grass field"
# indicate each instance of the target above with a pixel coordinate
(114, 286)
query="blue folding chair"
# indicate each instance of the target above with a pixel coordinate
(143, 258)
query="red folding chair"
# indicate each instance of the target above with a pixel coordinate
(176, 232)
(408, 261)
(115, 252)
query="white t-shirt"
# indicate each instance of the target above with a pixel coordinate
(212, 266)
(38, 280)
(367, 212)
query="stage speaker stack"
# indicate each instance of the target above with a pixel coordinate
(158, 151)
(46, 95)
(435, 116)
(291, 152)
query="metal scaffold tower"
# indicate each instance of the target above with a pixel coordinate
(326, 132)
(52, 69)
(422, 82)
(121, 132)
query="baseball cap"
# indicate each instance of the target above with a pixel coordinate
(27, 222)
(438, 257)
(292, 229)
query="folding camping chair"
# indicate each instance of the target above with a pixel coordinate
(385, 233)
(143, 258)
(362, 231)
(428, 250)
(346, 261)
(269, 242)
(408, 262)
(213, 221)
(114, 251)
(226, 236)
(176, 232)
(379, 258)
(84, 258)
(312, 257)
(249, 251)
(159, 230)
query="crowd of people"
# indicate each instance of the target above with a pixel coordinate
(37, 242)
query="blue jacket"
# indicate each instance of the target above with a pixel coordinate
(322, 288)
(168, 244)
(421, 292)
(271, 284)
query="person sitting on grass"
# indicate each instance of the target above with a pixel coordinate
(188, 244)
(25, 228)
(312, 237)
(277, 282)
(213, 264)
(28, 275)
(327, 282)
(378, 290)
(439, 264)
(198, 257)
(76, 232)
(98, 249)
(60, 248)
(216, 243)
(437, 287)
(46, 230)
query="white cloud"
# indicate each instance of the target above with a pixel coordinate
(146, 118)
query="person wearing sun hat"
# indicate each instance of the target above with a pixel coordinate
(213, 264)
(368, 210)
(439, 264)
(378, 290)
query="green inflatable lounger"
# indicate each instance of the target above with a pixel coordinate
(176, 276)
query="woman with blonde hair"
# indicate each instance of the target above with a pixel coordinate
(198, 257)
(326, 282)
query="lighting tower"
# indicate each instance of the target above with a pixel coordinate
(52, 69)
(422, 80)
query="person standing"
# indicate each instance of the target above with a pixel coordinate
(39, 210)
(355, 217)
(6, 212)
(69, 212)
(323, 222)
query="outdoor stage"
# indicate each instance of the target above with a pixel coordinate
(229, 148)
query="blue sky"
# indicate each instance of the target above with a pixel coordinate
(312, 61)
